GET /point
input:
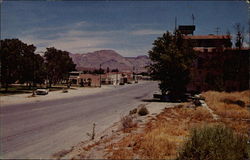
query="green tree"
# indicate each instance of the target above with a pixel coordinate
(58, 65)
(15, 61)
(39, 69)
(239, 35)
(172, 57)
(20, 63)
(27, 66)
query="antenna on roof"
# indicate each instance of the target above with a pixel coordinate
(193, 18)
(217, 30)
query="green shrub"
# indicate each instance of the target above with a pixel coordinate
(214, 143)
(143, 111)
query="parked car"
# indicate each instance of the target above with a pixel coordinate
(42, 91)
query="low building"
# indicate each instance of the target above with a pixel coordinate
(80, 79)
(111, 78)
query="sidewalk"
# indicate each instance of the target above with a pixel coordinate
(26, 98)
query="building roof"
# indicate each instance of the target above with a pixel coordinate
(208, 37)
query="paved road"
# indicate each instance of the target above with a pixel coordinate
(37, 130)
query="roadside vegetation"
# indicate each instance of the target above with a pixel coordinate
(215, 142)
(183, 132)
(229, 107)
(187, 132)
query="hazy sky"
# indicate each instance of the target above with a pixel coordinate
(129, 27)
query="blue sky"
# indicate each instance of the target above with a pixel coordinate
(129, 27)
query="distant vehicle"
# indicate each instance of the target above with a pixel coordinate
(157, 95)
(42, 91)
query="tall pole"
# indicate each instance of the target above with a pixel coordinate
(175, 24)
(193, 18)
(33, 88)
(116, 83)
(100, 75)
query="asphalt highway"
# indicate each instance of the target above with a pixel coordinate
(39, 129)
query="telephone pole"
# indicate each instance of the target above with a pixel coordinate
(100, 75)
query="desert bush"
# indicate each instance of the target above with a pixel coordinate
(128, 122)
(133, 111)
(214, 143)
(143, 111)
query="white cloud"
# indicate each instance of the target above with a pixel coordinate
(74, 39)
(147, 32)
(70, 43)
(73, 26)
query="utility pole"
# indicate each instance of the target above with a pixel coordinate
(33, 88)
(116, 77)
(100, 75)
(193, 18)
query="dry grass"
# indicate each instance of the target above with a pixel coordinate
(158, 144)
(233, 115)
(216, 101)
(162, 136)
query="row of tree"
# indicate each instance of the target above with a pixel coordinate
(19, 63)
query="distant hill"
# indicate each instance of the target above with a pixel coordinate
(111, 59)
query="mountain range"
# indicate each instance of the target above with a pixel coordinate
(109, 59)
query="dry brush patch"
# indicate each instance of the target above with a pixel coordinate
(128, 123)
(162, 136)
(232, 108)
(229, 105)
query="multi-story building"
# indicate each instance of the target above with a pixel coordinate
(218, 65)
